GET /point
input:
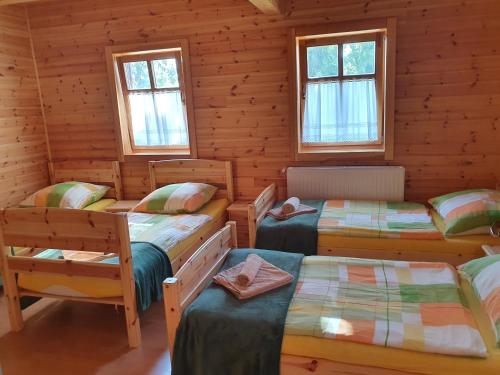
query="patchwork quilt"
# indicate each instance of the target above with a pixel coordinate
(377, 219)
(164, 231)
(409, 305)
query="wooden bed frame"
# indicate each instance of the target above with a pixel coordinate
(257, 211)
(197, 273)
(214, 172)
(80, 230)
(67, 229)
(464, 252)
(92, 171)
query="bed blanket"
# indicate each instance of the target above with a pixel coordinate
(164, 231)
(377, 219)
(151, 266)
(408, 305)
(220, 335)
(298, 234)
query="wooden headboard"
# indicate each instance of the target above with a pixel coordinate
(92, 171)
(213, 172)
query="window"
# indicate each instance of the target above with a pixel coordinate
(153, 100)
(343, 95)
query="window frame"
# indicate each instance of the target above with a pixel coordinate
(380, 30)
(118, 55)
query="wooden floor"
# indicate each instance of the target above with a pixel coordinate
(78, 338)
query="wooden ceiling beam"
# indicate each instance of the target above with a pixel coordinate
(269, 6)
(12, 2)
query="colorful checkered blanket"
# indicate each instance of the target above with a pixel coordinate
(377, 219)
(409, 305)
(164, 231)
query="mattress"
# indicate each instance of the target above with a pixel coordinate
(377, 219)
(399, 359)
(455, 250)
(99, 288)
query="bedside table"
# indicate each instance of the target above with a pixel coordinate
(238, 211)
(490, 250)
(122, 206)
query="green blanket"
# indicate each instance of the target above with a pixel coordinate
(220, 335)
(298, 234)
(151, 266)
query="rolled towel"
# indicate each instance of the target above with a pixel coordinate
(291, 205)
(249, 270)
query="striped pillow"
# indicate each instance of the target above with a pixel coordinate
(177, 198)
(469, 211)
(484, 274)
(71, 194)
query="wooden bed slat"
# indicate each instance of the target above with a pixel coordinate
(67, 229)
(195, 275)
(296, 365)
(63, 267)
(257, 211)
(214, 172)
(92, 171)
(60, 228)
(106, 300)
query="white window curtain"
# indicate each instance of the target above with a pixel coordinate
(158, 119)
(344, 111)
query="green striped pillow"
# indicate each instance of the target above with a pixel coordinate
(468, 211)
(181, 198)
(71, 194)
(484, 274)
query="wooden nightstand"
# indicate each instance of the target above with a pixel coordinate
(491, 250)
(122, 206)
(238, 211)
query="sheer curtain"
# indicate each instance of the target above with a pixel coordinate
(344, 111)
(158, 119)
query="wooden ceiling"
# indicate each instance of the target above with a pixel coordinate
(266, 6)
(10, 2)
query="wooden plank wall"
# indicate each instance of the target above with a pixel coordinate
(448, 79)
(23, 151)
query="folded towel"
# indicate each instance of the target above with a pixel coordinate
(268, 278)
(249, 270)
(278, 214)
(291, 205)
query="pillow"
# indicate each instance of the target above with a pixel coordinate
(483, 273)
(177, 198)
(469, 211)
(71, 194)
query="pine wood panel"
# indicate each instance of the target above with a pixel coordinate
(447, 99)
(23, 151)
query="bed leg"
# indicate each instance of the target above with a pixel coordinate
(234, 234)
(128, 284)
(13, 301)
(252, 225)
(10, 288)
(171, 298)
(133, 326)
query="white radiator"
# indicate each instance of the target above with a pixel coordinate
(360, 183)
